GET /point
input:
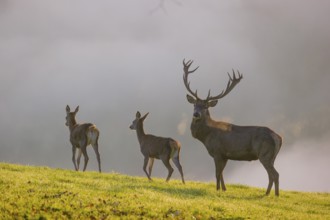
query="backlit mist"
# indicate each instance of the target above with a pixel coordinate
(113, 58)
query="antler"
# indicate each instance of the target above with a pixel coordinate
(186, 66)
(233, 81)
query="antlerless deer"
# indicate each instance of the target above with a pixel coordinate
(82, 135)
(156, 147)
(225, 141)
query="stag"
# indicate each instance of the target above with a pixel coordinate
(82, 135)
(225, 141)
(157, 147)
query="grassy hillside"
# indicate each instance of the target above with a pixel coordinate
(44, 193)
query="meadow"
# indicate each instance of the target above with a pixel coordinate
(29, 192)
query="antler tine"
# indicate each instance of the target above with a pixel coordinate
(186, 66)
(188, 63)
(208, 95)
(233, 81)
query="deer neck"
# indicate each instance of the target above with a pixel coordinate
(140, 132)
(200, 128)
(72, 125)
(205, 126)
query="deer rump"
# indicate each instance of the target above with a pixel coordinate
(90, 136)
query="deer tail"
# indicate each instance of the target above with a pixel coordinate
(278, 143)
(93, 134)
(175, 148)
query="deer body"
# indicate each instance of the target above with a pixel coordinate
(154, 147)
(171, 146)
(82, 135)
(233, 142)
(225, 141)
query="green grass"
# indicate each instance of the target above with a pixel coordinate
(29, 192)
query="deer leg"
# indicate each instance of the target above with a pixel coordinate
(272, 176)
(166, 161)
(219, 167)
(74, 157)
(276, 181)
(145, 163)
(176, 161)
(150, 165)
(223, 186)
(96, 149)
(78, 158)
(83, 146)
(270, 183)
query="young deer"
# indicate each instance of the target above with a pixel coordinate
(82, 135)
(157, 147)
(226, 141)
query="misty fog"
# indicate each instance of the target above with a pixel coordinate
(113, 58)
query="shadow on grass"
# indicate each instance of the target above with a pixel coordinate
(247, 197)
(233, 218)
(185, 192)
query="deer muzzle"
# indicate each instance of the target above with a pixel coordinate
(196, 115)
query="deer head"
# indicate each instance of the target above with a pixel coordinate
(201, 105)
(137, 120)
(71, 116)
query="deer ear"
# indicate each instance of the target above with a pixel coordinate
(144, 117)
(67, 109)
(191, 99)
(138, 114)
(77, 109)
(212, 103)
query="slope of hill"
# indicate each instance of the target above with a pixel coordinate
(29, 192)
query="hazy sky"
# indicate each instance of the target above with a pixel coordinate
(116, 57)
